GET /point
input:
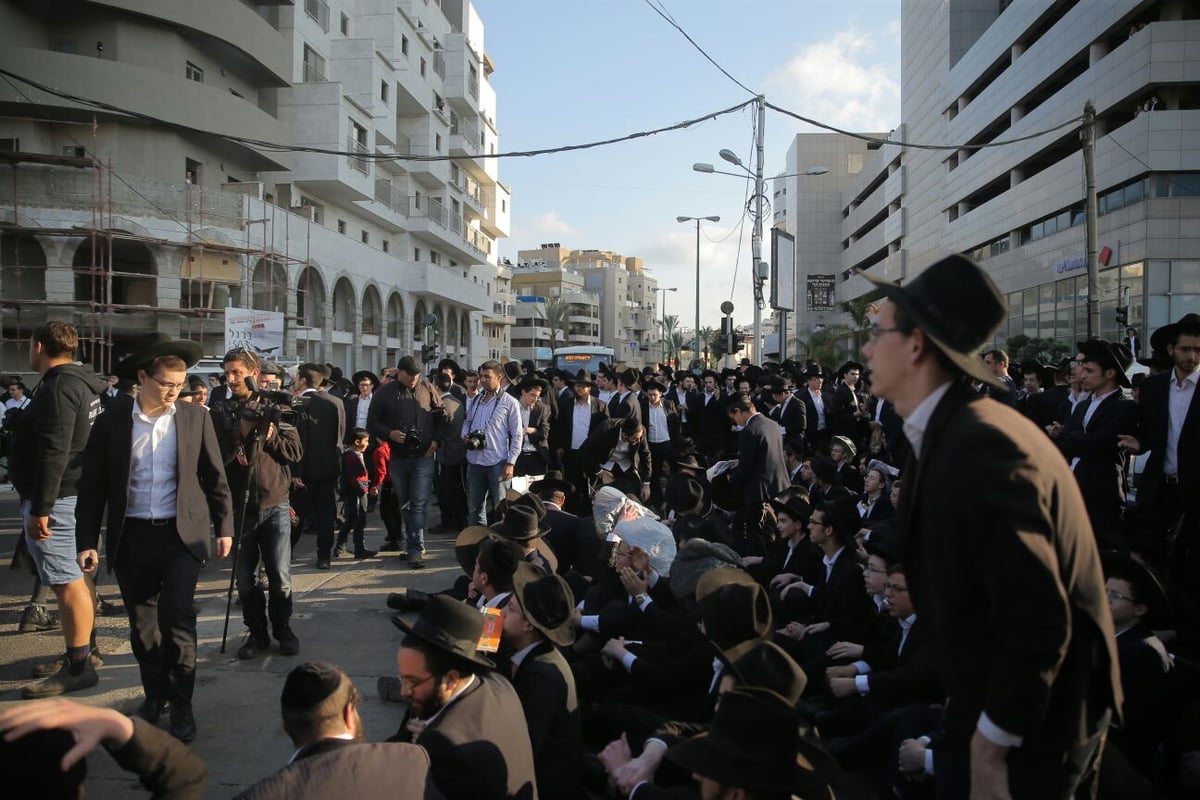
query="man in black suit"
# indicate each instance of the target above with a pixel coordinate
(1089, 442)
(467, 717)
(624, 402)
(849, 414)
(322, 426)
(320, 715)
(536, 624)
(788, 413)
(535, 420)
(661, 417)
(1169, 428)
(706, 415)
(156, 466)
(1008, 579)
(760, 469)
(619, 448)
(567, 538)
(578, 418)
(1003, 389)
(818, 403)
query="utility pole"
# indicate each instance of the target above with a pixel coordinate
(1088, 134)
(756, 236)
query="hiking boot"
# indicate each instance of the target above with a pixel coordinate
(289, 645)
(257, 642)
(408, 600)
(388, 687)
(150, 710)
(183, 724)
(48, 668)
(359, 555)
(37, 618)
(63, 681)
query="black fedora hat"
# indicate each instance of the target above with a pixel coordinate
(725, 495)
(957, 306)
(1146, 585)
(466, 546)
(688, 461)
(735, 610)
(885, 545)
(796, 505)
(521, 523)
(1168, 333)
(751, 745)
(768, 666)
(628, 376)
(1109, 355)
(583, 377)
(156, 345)
(710, 373)
(654, 383)
(547, 602)
(451, 626)
(553, 480)
(365, 375)
(1158, 360)
(825, 468)
(686, 495)
(849, 365)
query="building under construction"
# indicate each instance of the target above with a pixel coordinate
(137, 192)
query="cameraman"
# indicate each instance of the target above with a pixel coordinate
(494, 433)
(259, 451)
(408, 414)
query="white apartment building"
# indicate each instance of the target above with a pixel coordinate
(126, 226)
(980, 71)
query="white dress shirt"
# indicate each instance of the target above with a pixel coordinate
(153, 469)
(581, 423)
(916, 422)
(1097, 399)
(656, 427)
(819, 404)
(360, 414)
(1179, 400)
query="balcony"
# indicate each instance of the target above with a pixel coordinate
(432, 222)
(389, 208)
(439, 64)
(480, 242)
(391, 197)
(318, 10)
(464, 137)
(359, 160)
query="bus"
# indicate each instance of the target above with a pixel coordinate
(589, 357)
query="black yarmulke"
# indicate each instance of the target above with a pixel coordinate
(309, 684)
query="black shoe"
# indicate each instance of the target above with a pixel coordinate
(106, 609)
(63, 681)
(150, 710)
(183, 724)
(408, 600)
(416, 562)
(289, 645)
(37, 618)
(323, 563)
(391, 547)
(48, 668)
(257, 643)
(359, 555)
(340, 552)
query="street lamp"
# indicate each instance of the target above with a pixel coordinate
(757, 208)
(697, 221)
(663, 305)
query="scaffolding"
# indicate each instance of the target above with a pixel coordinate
(111, 298)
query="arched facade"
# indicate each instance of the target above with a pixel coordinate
(268, 285)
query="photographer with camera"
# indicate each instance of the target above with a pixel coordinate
(493, 432)
(259, 450)
(408, 414)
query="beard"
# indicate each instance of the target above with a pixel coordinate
(429, 707)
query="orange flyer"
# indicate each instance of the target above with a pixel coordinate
(493, 626)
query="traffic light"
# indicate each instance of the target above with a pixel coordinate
(739, 342)
(1122, 315)
(428, 353)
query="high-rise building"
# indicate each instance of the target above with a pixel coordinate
(980, 73)
(171, 202)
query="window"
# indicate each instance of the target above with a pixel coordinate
(366, 237)
(384, 88)
(345, 27)
(72, 151)
(191, 171)
(10, 145)
(404, 45)
(342, 226)
(416, 254)
(437, 143)
(386, 245)
(435, 257)
(314, 66)
(422, 66)
(194, 73)
(319, 11)
(503, 206)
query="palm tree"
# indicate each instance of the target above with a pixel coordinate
(669, 324)
(710, 340)
(554, 314)
(676, 343)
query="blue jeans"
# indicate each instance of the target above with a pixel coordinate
(55, 557)
(266, 534)
(413, 481)
(483, 491)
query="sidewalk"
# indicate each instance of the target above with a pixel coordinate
(339, 616)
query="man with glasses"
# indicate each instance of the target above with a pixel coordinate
(493, 434)
(1009, 578)
(156, 467)
(259, 457)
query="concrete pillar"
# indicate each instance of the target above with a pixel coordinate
(1015, 176)
(1015, 114)
(1096, 52)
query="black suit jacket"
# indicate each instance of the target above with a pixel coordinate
(810, 410)
(709, 422)
(792, 417)
(841, 419)
(351, 413)
(1101, 467)
(841, 600)
(901, 677)
(167, 767)
(560, 429)
(342, 768)
(546, 686)
(761, 469)
(202, 500)
(600, 445)
(1152, 435)
(539, 419)
(629, 405)
(479, 745)
(1008, 579)
(322, 427)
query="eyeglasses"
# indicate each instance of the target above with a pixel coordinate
(894, 588)
(411, 685)
(875, 331)
(170, 387)
(876, 570)
(1114, 596)
(820, 522)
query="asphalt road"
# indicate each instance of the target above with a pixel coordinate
(339, 616)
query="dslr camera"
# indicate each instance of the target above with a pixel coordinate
(476, 440)
(412, 438)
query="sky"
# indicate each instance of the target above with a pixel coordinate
(576, 71)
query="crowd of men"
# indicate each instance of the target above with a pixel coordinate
(906, 577)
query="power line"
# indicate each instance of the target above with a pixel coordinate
(921, 146)
(750, 186)
(671, 21)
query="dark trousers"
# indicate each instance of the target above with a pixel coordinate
(580, 502)
(354, 520)
(451, 489)
(266, 536)
(389, 513)
(322, 512)
(661, 453)
(157, 575)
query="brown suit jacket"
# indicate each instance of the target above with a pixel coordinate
(1003, 567)
(202, 502)
(336, 768)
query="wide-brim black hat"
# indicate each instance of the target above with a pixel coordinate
(654, 383)
(553, 480)
(768, 666)
(365, 374)
(1167, 334)
(685, 495)
(716, 376)
(797, 506)
(724, 494)
(451, 626)
(1150, 590)
(466, 546)
(885, 545)
(582, 377)
(1109, 355)
(521, 523)
(735, 610)
(812, 371)
(157, 345)
(1158, 360)
(689, 461)
(957, 306)
(825, 468)
(547, 602)
(849, 365)
(752, 744)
